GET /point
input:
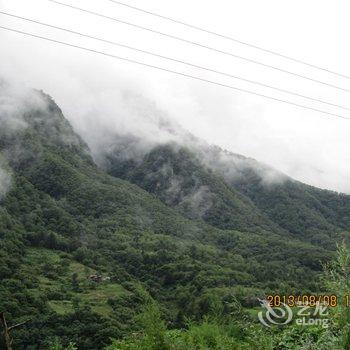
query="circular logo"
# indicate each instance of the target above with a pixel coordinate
(281, 315)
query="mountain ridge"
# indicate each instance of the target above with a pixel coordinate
(63, 218)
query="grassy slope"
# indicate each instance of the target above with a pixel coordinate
(54, 271)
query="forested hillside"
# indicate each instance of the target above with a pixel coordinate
(83, 250)
(230, 191)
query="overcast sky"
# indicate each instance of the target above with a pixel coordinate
(306, 145)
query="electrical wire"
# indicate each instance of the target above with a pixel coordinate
(229, 38)
(172, 71)
(173, 60)
(199, 45)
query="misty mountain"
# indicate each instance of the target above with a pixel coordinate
(171, 226)
(176, 176)
(230, 191)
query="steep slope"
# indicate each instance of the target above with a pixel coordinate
(230, 191)
(176, 176)
(309, 213)
(63, 219)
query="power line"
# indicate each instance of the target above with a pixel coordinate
(172, 71)
(173, 59)
(199, 45)
(229, 38)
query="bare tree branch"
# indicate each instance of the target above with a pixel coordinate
(7, 330)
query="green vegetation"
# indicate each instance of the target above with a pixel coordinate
(239, 331)
(172, 272)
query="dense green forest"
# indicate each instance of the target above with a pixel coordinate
(239, 330)
(166, 252)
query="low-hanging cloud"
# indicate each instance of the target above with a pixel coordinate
(5, 180)
(13, 103)
(109, 102)
(130, 126)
